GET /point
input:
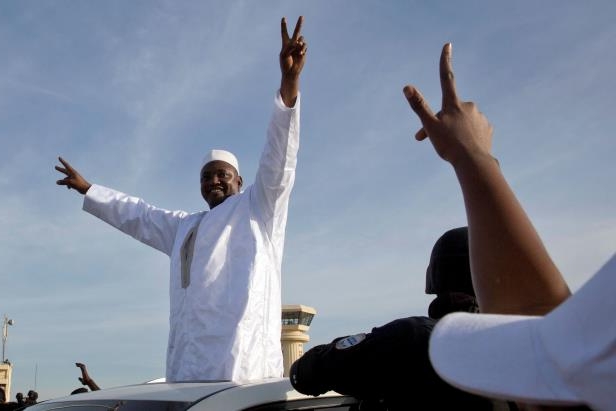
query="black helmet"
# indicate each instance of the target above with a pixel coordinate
(449, 269)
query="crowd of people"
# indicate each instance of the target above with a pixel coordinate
(31, 398)
(504, 324)
(20, 402)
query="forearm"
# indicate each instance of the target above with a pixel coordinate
(289, 89)
(508, 259)
(279, 157)
(276, 173)
(91, 384)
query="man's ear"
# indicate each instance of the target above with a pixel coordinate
(240, 182)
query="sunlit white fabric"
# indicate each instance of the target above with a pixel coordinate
(226, 323)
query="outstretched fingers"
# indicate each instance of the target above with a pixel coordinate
(67, 170)
(422, 109)
(284, 34)
(67, 166)
(298, 28)
(448, 84)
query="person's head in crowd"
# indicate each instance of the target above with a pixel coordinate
(32, 397)
(449, 275)
(20, 398)
(79, 390)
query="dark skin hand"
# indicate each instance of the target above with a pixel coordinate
(73, 179)
(292, 58)
(459, 129)
(85, 378)
(512, 272)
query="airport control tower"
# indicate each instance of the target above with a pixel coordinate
(296, 321)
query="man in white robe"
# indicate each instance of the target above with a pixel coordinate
(225, 263)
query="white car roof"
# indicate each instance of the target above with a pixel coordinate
(183, 391)
(223, 395)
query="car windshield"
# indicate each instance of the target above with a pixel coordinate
(112, 405)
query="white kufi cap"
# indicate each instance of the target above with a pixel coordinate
(221, 155)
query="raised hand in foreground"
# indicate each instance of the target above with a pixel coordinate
(511, 269)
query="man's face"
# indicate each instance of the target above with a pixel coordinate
(219, 180)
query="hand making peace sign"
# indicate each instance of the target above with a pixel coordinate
(292, 58)
(459, 129)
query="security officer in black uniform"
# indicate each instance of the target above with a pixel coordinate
(389, 367)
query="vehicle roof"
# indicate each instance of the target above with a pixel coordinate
(221, 392)
(158, 391)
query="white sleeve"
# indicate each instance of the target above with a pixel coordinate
(150, 225)
(276, 172)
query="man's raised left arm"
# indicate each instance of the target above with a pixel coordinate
(276, 173)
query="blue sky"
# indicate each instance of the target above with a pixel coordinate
(133, 93)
